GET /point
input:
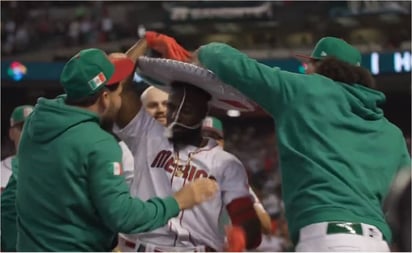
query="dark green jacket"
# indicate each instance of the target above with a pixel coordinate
(71, 195)
(338, 153)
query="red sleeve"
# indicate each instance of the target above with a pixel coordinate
(243, 214)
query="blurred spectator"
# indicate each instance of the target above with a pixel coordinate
(90, 22)
(74, 31)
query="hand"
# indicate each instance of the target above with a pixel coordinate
(236, 239)
(198, 191)
(167, 46)
(195, 59)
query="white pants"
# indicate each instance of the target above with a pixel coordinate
(126, 245)
(314, 238)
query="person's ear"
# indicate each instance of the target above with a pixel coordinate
(104, 102)
(11, 133)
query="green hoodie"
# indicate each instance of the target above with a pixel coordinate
(338, 153)
(70, 194)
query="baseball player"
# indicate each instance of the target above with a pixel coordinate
(338, 152)
(18, 116)
(154, 101)
(71, 195)
(168, 158)
(9, 179)
(212, 128)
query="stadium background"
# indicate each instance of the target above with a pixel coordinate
(38, 37)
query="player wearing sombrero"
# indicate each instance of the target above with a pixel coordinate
(167, 158)
(71, 194)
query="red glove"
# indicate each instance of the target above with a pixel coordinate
(236, 239)
(167, 46)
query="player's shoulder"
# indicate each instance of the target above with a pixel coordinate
(94, 133)
(226, 158)
(93, 138)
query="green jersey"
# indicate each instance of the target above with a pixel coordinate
(8, 211)
(71, 195)
(338, 153)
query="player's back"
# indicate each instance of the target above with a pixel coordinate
(53, 202)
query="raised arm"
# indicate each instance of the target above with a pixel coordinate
(168, 48)
(130, 97)
(270, 87)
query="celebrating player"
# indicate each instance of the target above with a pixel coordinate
(338, 152)
(154, 101)
(71, 195)
(165, 163)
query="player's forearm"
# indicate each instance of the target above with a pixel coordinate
(130, 97)
(257, 81)
(264, 218)
(243, 214)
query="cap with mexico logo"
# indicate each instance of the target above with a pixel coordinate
(20, 114)
(91, 69)
(213, 124)
(335, 47)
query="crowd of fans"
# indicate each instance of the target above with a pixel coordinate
(25, 29)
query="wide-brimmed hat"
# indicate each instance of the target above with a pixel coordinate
(162, 72)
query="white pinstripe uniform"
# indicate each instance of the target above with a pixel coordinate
(156, 174)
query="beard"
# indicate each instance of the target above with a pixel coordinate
(107, 124)
(182, 136)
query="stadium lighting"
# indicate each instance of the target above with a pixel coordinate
(233, 113)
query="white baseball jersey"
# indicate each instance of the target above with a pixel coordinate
(156, 174)
(6, 171)
(127, 163)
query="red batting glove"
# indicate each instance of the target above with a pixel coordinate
(167, 46)
(236, 239)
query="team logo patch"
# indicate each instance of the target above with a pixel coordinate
(97, 80)
(117, 169)
(27, 111)
(208, 122)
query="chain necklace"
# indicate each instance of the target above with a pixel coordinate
(180, 170)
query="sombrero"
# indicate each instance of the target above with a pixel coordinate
(162, 72)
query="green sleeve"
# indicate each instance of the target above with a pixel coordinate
(8, 216)
(271, 88)
(110, 195)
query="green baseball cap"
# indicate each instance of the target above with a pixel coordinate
(338, 48)
(20, 114)
(213, 124)
(91, 69)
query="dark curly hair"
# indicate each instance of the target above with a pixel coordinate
(344, 72)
